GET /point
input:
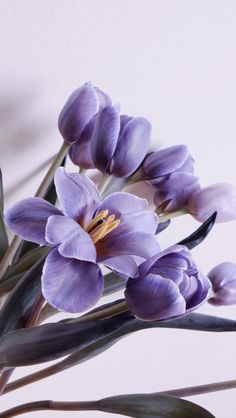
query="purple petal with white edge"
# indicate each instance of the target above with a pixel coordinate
(80, 153)
(28, 218)
(79, 109)
(165, 161)
(104, 137)
(132, 146)
(147, 265)
(121, 203)
(154, 298)
(129, 243)
(223, 279)
(125, 265)
(78, 195)
(219, 197)
(71, 285)
(201, 292)
(74, 241)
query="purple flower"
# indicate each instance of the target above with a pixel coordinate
(115, 232)
(171, 172)
(220, 197)
(168, 285)
(119, 143)
(79, 110)
(223, 279)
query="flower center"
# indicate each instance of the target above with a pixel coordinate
(101, 225)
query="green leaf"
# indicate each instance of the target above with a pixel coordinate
(17, 270)
(51, 341)
(113, 283)
(19, 304)
(152, 405)
(200, 234)
(3, 237)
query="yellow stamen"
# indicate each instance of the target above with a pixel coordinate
(110, 227)
(101, 216)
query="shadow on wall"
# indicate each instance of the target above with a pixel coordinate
(24, 124)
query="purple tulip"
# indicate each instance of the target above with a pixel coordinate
(116, 232)
(168, 285)
(223, 279)
(119, 143)
(171, 172)
(220, 197)
(81, 107)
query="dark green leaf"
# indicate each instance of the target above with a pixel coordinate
(20, 302)
(3, 237)
(51, 341)
(1, 193)
(113, 283)
(162, 226)
(152, 405)
(200, 234)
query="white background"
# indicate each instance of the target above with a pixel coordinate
(172, 62)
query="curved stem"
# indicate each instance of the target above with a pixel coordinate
(200, 389)
(49, 405)
(51, 171)
(103, 313)
(170, 215)
(102, 185)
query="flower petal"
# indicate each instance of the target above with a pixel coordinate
(28, 218)
(125, 265)
(74, 241)
(154, 298)
(80, 153)
(104, 137)
(79, 109)
(129, 243)
(165, 161)
(78, 195)
(132, 147)
(71, 285)
(121, 203)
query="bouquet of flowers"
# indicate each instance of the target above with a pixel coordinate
(79, 239)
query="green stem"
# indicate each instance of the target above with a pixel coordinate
(200, 389)
(103, 313)
(175, 214)
(51, 171)
(49, 405)
(102, 185)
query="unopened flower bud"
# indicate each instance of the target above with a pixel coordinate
(219, 197)
(79, 110)
(223, 279)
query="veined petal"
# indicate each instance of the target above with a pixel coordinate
(79, 109)
(80, 153)
(71, 285)
(130, 243)
(74, 241)
(154, 298)
(28, 218)
(78, 195)
(121, 203)
(147, 222)
(125, 265)
(104, 137)
(165, 161)
(132, 147)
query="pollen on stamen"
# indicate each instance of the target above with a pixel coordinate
(105, 228)
(101, 216)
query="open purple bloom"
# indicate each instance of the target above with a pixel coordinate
(116, 232)
(79, 110)
(168, 285)
(219, 197)
(223, 279)
(170, 172)
(119, 143)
